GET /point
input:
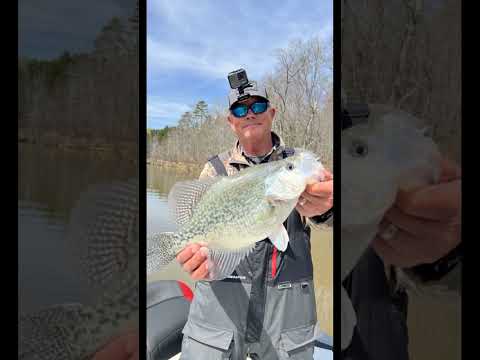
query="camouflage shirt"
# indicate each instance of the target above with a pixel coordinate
(236, 159)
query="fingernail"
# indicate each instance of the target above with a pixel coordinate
(194, 250)
(204, 251)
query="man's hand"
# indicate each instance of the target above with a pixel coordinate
(194, 261)
(125, 347)
(317, 198)
(426, 223)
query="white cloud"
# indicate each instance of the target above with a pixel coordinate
(211, 39)
(163, 109)
(182, 15)
(326, 32)
(164, 57)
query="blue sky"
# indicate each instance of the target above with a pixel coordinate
(193, 45)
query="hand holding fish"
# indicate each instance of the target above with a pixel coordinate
(426, 222)
(193, 260)
(317, 197)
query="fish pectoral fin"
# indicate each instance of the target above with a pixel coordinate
(222, 263)
(52, 332)
(279, 238)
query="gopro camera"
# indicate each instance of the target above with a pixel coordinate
(238, 80)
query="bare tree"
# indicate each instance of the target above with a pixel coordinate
(301, 90)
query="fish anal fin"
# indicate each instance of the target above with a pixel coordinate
(222, 263)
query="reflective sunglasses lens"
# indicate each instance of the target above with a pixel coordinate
(240, 111)
(259, 107)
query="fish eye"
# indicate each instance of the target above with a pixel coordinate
(358, 149)
(290, 166)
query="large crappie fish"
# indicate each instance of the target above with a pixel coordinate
(103, 230)
(232, 213)
(378, 158)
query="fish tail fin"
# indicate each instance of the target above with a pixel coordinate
(161, 251)
(57, 332)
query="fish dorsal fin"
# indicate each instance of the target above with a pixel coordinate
(222, 263)
(185, 195)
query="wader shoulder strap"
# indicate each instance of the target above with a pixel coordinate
(218, 165)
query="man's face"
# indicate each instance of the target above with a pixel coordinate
(252, 127)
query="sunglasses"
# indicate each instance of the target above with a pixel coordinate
(257, 107)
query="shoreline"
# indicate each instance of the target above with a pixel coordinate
(181, 166)
(121, 150)
(80, 143)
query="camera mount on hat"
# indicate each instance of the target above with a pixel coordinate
(238, 80)
(242, 88)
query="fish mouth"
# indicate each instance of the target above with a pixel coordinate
(312, 169)
(316, 175)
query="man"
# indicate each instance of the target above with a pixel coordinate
(266, 308)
